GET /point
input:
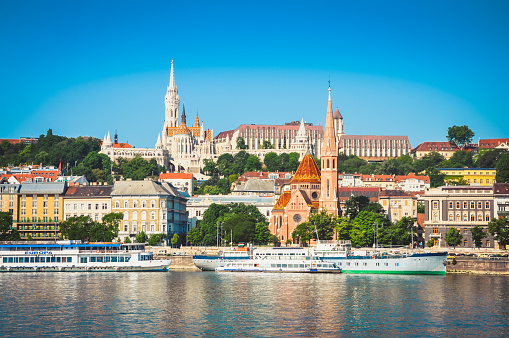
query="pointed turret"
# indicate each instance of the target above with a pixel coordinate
(172, 77)
(329, 160)
(171, 101)
(183, 117)
(159, 144)
(329, 147)
(107, 141)
(197, 120)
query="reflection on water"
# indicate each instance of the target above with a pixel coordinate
(187, 303)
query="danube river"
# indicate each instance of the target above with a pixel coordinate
(185, 303)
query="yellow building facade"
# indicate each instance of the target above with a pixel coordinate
(472, 176)
(36, 208)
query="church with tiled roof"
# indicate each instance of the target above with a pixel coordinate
(311, 189)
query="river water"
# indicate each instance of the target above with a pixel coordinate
(195, 303)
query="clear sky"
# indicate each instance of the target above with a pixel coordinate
(410, 68)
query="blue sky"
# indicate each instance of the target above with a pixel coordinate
(396, 67)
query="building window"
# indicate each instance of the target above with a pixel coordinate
(75, 206)
(435, 205)
(458, 217)
(472, 217)
(152, 204)
(135, 215)
(435, 231)
(479, 217)
(105, 206)
(488, 243)
(487, 205)
(465, 242)
(451, 217)
(135, 204)
(487, 217)
(465, 230)
(143, 204)
(143, 215)
(479, 205)
(135, 226)
(488, 181)
(89, 206)
(465, 205)
(465, 217)
(126, 215)
(126, 204)
(152, 215)
(126, 227)
(450, 205)
(472, 205)
(152, 227)
(117, 204)
(97, 206)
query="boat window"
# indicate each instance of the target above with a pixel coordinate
(83, 259)
(58, 259)
(284, 265)
(127, 259)
(114, 259)
(107, 259)
(92, 259)
(32, 259)
(121, 259)
(278, 265)
(301, 265)
(99, 259)
(53, 259)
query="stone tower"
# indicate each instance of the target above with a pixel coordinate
(171, 103)
(329, 160)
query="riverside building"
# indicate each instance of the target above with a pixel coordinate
(461, 207)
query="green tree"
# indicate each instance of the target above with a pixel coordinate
(430, 243)
(453, 237)
(490, 158)
(460, 159)
(127, 240)
(436, 178)
(240, 226)
(428, 162)
(362, 233)
(355, 205)
(262, 233)
(141, 237)
(210, 168)
(303, 232)
(6, 231)
(174, 240)
(421, 208)
(499, 229)
(460, 135)
(293, 162)
(194, 235)
(503, 169)
(271, 161)
(477, 235)
(400, 232)
(324, 224)
(253, 163)
(77, 228)
(267, 145)
(241, 143)
(343, 226)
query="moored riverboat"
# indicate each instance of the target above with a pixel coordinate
(211, 262)
(281, 260)
(75, 256)
(392, 261)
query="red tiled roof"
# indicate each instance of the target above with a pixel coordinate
(182, 176)
(373, 137)
(436, 146)
(501, 188)
(282, 201)
(122, 145)
(308, 170)
(493, 142)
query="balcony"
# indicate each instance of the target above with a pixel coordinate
(432, 235)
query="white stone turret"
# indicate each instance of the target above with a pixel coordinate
(171, 102)
(301, 143)
(159, 144)
(107, 141)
